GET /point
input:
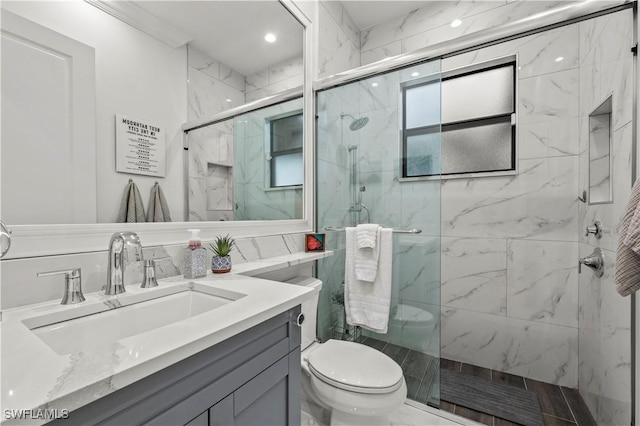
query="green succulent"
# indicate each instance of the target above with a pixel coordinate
(222, 246)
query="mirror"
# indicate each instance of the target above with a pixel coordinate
(75, 67)
(600, 135)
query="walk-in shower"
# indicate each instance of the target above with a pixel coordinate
(492, 281)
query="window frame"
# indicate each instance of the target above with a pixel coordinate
(511, 117)
(273, 154)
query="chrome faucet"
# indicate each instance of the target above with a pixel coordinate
(117, 260)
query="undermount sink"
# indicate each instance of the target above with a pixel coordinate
(86, 327)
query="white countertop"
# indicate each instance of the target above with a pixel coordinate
(35, 377)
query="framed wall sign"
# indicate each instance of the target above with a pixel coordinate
(140, 147)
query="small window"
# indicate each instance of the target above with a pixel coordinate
(286, 161)
(460, 124)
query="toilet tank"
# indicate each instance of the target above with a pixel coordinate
(309, 309)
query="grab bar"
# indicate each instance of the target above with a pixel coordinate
(395, 231)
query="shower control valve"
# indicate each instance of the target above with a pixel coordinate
(595, 261)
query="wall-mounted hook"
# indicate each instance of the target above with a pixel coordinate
(583, 198)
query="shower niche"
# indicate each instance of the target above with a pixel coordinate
(600, 135)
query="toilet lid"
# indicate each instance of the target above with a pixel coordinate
(355, 367)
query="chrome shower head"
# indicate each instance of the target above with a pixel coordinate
(357, 123)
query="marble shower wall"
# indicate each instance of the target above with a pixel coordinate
(338, 39)
(606, 69)
(512, 298)
(275, 79)
(431, 24)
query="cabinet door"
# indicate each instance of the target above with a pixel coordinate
(221, 414)
(264, 399)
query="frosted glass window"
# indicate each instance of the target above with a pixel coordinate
(286, 133)
(286, 163)
(288, 169)
(477, 148)
(475, 133)
(480, 94)
(422, 156)
(422, 105)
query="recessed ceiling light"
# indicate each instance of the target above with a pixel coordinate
(228, 100)
(415, 74)
(455, 23)
(559, 58)
(374, 84)
(270, 37)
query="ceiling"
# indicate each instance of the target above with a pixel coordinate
(233, 31)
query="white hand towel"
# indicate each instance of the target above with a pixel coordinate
(367, 304)
(368, 234)
(366, 260)
(627, 274)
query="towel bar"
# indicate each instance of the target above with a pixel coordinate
(395, 231)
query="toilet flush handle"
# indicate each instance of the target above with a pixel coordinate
(299, 319)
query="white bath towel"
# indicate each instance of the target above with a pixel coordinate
(627, 274)
(368, 234)
(367, 304)
(367, 254)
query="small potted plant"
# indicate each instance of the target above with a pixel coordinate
(221, 247)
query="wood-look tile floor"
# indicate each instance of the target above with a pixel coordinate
(561, 406)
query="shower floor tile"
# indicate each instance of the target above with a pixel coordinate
(560, 406)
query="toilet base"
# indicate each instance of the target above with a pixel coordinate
(340, 418)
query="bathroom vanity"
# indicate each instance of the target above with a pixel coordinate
(217, 350)
(252, 378)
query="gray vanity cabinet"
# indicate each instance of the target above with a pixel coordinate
(252, 378)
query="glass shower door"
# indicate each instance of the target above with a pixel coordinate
(378, 161)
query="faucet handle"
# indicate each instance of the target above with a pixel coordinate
(72, 285)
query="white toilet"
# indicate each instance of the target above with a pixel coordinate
(358, 384)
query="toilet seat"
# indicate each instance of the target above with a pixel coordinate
(355, 367)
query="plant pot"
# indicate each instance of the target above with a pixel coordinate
(220, 264)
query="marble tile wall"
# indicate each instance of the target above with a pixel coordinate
(275, 79)
(338, 39)
(21, 287)
(604, 316)
(213, 87)
(429, 25)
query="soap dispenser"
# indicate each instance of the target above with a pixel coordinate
(195, 257)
